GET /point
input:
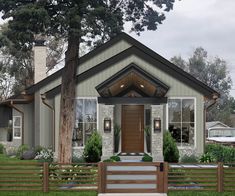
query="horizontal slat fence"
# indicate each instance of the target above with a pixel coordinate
(21, 176)
(229, 177)
(73, 177)
(35, 176)
(201, 177)
(116, 177)
(133, 177)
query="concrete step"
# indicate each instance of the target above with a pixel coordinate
(131, 158)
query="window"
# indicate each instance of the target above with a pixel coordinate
(181, 119)
(85, 120)
(17, 127)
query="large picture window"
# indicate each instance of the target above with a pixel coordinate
(17, 127)
(85, 120)
(181, 119)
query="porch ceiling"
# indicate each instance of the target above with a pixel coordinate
(132, 81)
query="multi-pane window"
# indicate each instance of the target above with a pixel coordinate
(85, 120)
(17, 127)
(181, 119)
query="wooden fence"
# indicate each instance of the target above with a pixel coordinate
(201, 177)
(21, 176)
(132, 177)
(116, 177)
(46, 177)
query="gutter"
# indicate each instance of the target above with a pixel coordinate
(215, 99)
(43, 98)
(22, 113)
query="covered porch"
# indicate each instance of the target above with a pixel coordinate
(133, 100)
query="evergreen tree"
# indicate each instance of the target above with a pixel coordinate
(214, 73)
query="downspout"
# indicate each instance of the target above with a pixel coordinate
(43, 97)
(215, 98)
(22, 113)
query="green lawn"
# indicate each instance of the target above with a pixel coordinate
(198, 193)
(6, 158)
(28, 193)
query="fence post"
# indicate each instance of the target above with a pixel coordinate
(160, 177)
(45, 177)
(165, 177)
(220, 177)
(101, 177)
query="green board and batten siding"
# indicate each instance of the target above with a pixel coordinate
(28, 123)
(43, 116)
(86, 87)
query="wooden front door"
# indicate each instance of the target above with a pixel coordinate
(132, 128)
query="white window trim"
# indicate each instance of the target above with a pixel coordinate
(97, 118)
(13, 127)
(195, 120)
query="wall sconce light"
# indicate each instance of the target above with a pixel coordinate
(107, 124)
(10, 123)
(157, 124)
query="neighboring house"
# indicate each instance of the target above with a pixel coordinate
(213, 124)
(217, 132)
(121, 82)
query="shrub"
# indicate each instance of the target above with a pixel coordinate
(147, 158)
(45, 155)
(170, 150)
(115, 158)
(78, 159)
(207, 158)
(2, 149)
(221, 153)
(22, 148)
(38, 148)
(189, 159)
(109, 160)
(11, 151)
(93, 148)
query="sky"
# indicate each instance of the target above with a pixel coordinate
(193, 23)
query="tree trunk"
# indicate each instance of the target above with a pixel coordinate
(67, 99)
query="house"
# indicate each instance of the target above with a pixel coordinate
(217, 132)
(215, 124)
(121, 82)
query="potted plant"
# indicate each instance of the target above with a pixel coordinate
(147, 131)
(117, 130)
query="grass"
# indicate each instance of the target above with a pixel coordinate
(62, 193)
(198, 193)
(6, 158)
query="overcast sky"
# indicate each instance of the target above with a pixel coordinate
(194, 23)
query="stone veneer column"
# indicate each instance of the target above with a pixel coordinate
(106, 111)
(157, 138)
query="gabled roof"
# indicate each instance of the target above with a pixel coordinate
(132, 77)
(137, 49)
(215, 124)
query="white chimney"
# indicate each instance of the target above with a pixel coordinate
(40, 55)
